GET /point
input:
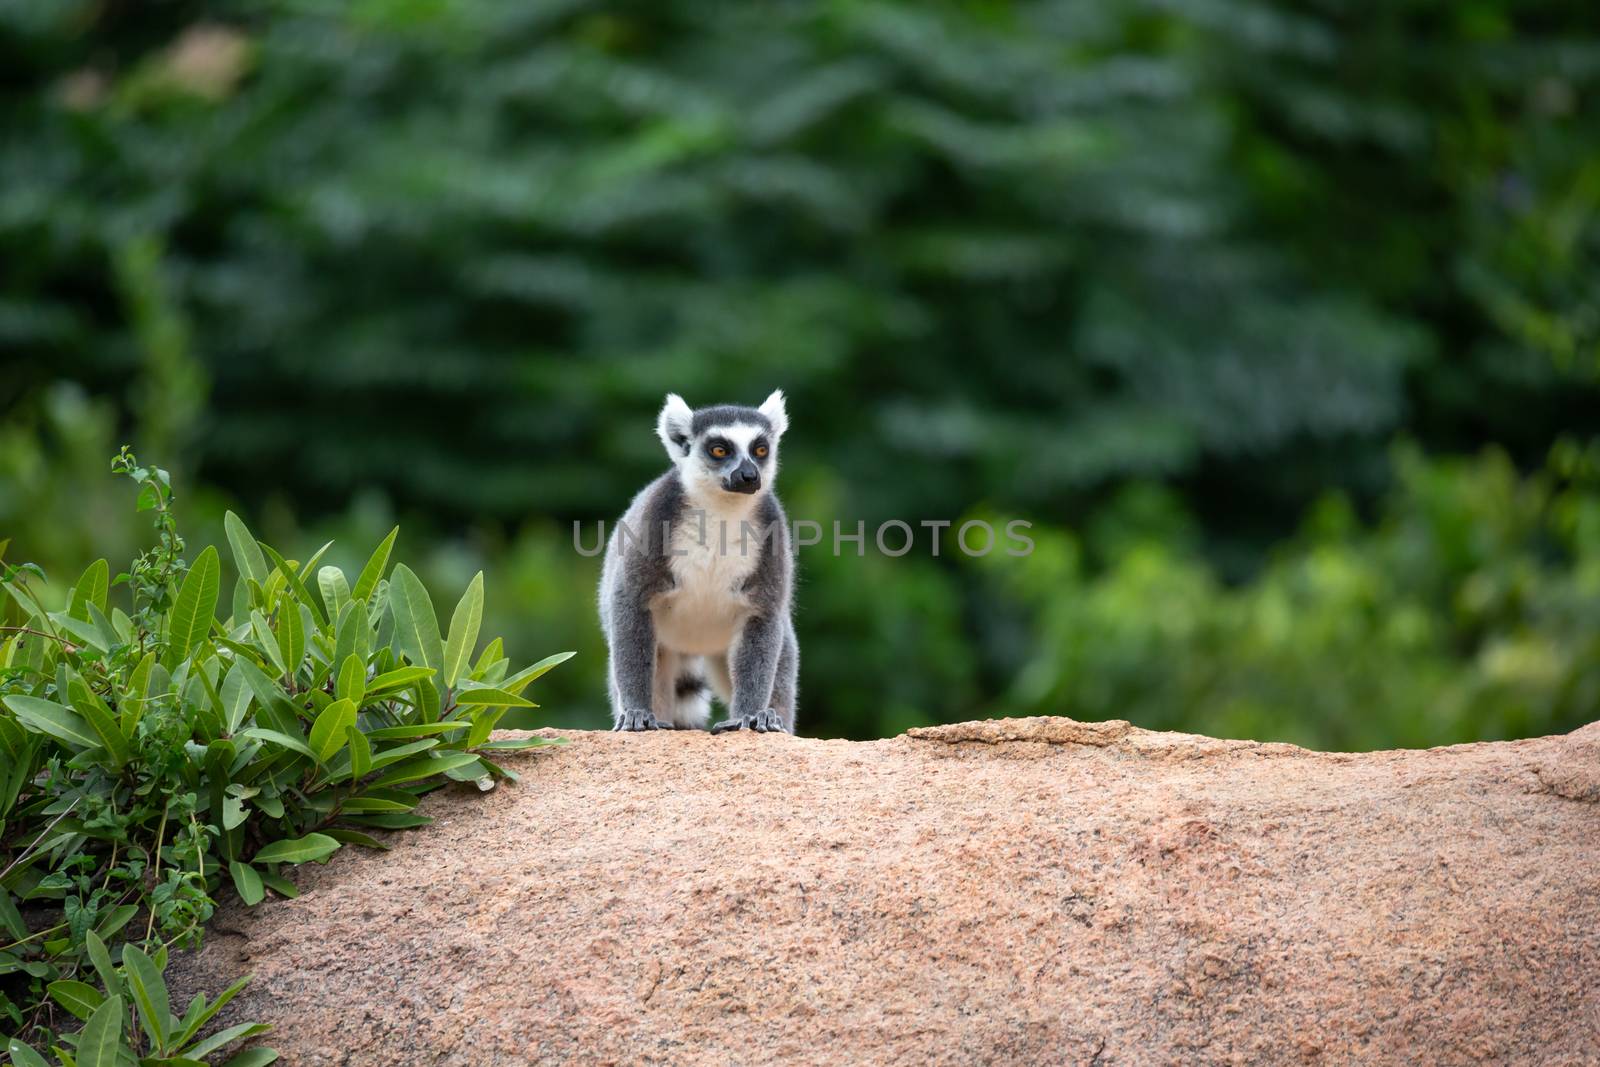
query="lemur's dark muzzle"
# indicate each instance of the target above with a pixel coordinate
(743, 479)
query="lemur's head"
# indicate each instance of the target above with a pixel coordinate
(724, 449)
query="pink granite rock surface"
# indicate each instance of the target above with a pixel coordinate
(1030, 891)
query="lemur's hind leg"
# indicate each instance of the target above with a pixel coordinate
(786, 681)
(663, 688)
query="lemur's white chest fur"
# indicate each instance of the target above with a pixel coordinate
(710, 564)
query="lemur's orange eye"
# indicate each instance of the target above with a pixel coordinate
(719, 452)
(761, 451)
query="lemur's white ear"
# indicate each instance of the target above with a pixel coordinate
(673, 426)
(772, 407)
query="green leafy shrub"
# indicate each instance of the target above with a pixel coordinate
(1468, 611)
(154, 757)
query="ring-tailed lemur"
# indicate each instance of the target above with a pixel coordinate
(695, 591)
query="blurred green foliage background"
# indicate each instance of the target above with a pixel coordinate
(1280, 319)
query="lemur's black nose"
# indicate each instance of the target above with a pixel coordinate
(745, 479)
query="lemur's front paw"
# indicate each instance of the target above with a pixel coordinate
(639, 720)
(762, 722)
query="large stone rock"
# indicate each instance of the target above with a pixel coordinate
(1017, 891)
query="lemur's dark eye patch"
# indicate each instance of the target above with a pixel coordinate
(717, 450)
(759, 449)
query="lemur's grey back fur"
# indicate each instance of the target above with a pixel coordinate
(697, 585)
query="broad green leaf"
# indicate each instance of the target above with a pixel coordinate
(305, 849)
(373, 571)
(225, 1037)
(240, 602)
(428, 703)
(246, 553)
(247, 882)
(101, 1036)
(208, 1011)
(193, 611)
(421, 729)
(399, 678)
(253, 1057)
(48, 717)
(360, 753)
(494, 698)
(416, 625)
(278, 737)
(92, 588)
(335, 590)
(280, 885)
(122, 626)
(100, 957)
(517, 682)
(291, 636)
(104, 626)
(105, 728)
(328, 732)
(464, 625)
(383, 633)
(10, 918)
(115, 920)
(149, 993)
(310, 565)
(354, 633)
(266, 691)
(356, 837)
(407, 821)
(484, 720)
(405, 798)
(266, 642)
(233, 813)
(291, 577)
(86, 632)
(470, 771)
(423, 767)
(512, 744)
(235, 698)
(80, 998)
(133, 705)
(373, 805)
(493, 653)
(24, 1055)
(352, 681)
(388, 756)
(341, 766)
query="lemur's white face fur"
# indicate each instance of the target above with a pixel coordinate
(726, 454)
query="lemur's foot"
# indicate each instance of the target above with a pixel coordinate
(762, 722)
(640, 720)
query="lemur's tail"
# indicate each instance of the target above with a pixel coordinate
(693, 693)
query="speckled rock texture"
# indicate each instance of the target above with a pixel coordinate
(1030, 891)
